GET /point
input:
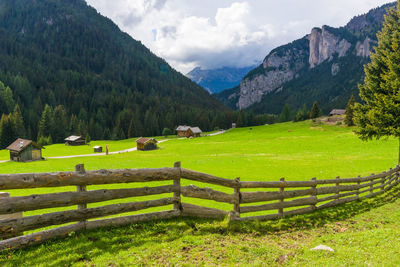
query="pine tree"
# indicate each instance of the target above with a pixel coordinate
(349, 119)
(7, 134)
(73, 125)
(379, 114)
(302, 114)
(87, 139)
(18, 122)
(46, 122)
(131, 129)
(285, 114)
(60, 125)
(315, 111)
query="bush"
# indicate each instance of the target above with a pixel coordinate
(43, 141)
(166, 132)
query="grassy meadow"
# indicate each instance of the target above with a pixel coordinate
(296, 151)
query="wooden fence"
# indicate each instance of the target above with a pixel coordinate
(285, 197)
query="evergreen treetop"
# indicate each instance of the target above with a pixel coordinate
(379, 114)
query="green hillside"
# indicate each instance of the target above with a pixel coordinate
(106, 84)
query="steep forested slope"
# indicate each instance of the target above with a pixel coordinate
(63, 54)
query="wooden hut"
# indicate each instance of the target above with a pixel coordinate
(233, 125)
(25, 150)
(337, 112)
(98, 149)
(194, 132)
(188, 131)
(74, 140)
(182, 130)
(146, 143)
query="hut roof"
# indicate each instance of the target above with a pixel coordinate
(143, 140)
(337, 112)
(182, 128)
(195, 130)
(20, 144)
(73, 138)
(95, 147)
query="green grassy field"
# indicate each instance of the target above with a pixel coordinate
(296, 151)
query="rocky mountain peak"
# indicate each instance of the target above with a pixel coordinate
(301, 57)
(324, 44)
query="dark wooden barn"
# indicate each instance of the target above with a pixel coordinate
(188, 131)
(146, 143)
(25, 150)
(74, 140)
(182, 130)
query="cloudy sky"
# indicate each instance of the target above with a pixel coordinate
(217, 33)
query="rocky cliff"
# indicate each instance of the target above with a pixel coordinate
(328, 46)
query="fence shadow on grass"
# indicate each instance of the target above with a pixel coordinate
(83, 246)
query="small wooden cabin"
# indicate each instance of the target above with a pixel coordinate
(194, 132)
(25, 150)
(98, 149)
(188, 131)
(233, 125)
(74, 140)
(182, 130)
(146, 143)
(337, 112)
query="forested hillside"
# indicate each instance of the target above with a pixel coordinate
(70, 70)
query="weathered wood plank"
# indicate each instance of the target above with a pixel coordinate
(298, 211)
(337, 202)
(35, 202)
(250, 197)
(206, 193)
(327, 198)
(280, 205)
(36, 238)
(278, 184)
(38, 221)
(125, 220)
(58, 179)
(336, 189)
(202, 212)
(207, 178)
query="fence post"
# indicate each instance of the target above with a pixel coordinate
(337, 192)
(358, 189)
(80, 169)
(371, 187)
(281, 190)
(383, 182)
(314, 193)
(177, 194)
(235, 214)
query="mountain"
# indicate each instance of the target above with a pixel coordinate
(218, 80)
(63, 54)
(325, 66)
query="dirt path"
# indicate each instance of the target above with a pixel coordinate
(99, 154)
(114, 152)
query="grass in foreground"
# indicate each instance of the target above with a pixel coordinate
(363, 233)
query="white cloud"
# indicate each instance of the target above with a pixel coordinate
(210, 34)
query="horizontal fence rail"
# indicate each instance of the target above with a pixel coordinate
(287, 198)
